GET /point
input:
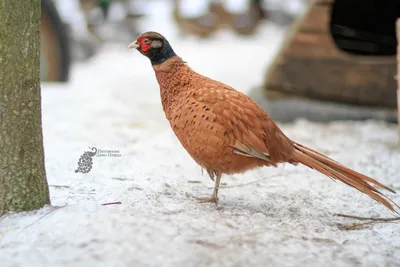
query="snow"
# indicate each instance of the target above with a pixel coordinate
(265, 217)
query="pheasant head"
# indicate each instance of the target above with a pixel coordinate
(154, 46)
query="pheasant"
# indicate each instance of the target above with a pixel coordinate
(226, 132)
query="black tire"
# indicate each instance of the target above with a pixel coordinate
(57, 50)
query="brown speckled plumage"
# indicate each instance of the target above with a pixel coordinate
(210, 118)
(225, 131)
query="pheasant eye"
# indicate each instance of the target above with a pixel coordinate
(146, 41)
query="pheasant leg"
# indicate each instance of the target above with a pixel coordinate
(214, 196)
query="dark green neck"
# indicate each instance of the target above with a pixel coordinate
(160, 56)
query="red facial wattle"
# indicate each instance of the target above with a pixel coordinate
(144, 46)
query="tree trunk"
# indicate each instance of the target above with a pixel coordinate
(23, 184)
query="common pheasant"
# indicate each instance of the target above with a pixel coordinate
(226, 132)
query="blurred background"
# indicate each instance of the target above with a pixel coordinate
(74, 30)
(330, 59)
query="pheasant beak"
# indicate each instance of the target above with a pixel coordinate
(134, 45)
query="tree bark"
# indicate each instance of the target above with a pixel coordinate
(23, 184)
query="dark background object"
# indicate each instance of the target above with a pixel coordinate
(56, 50)
(365, 27)
(338, 62)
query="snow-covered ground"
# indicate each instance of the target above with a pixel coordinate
(266, 217)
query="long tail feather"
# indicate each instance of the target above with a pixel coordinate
(336, 171)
